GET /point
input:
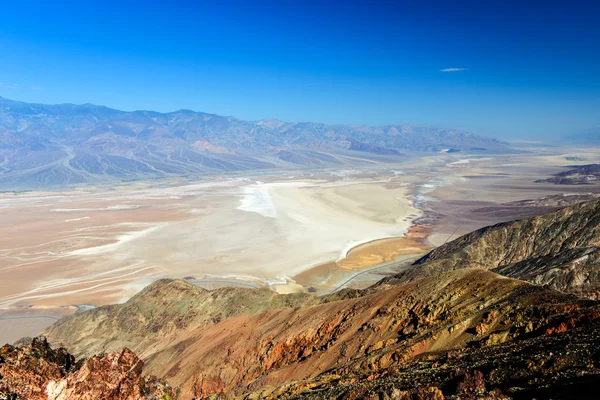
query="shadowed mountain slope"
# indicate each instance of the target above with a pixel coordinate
(559, 249)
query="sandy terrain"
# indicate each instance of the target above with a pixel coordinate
(21, 322)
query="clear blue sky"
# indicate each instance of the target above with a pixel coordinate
(530, 71)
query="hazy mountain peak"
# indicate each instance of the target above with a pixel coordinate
(590, 136)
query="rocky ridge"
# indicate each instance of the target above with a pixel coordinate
(558, 249)
(164, 309)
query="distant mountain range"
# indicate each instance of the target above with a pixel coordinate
(576, 175)
(44, 145)
(591, 136)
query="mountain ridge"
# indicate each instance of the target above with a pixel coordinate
(560, 249)
(587, 137)
(44, 145)
(367, 330)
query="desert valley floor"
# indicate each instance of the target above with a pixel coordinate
(310, 230)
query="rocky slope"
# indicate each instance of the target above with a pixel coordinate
(42, 145)
(37, 372)
(350, 333)
(559, 249)
(563, 365)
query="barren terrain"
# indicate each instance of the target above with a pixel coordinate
(315, 231)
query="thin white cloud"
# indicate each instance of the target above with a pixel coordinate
(37, 88)
(13, 86)
(453, 69)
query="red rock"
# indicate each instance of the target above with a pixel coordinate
(116, 376)
(37, 372)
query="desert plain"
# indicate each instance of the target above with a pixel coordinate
(66, 250)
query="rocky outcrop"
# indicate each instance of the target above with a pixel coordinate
(37, 372)
(25, 371)
(115, 376)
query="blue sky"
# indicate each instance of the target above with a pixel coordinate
(514, 71)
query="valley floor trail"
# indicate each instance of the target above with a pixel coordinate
(388, 264)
